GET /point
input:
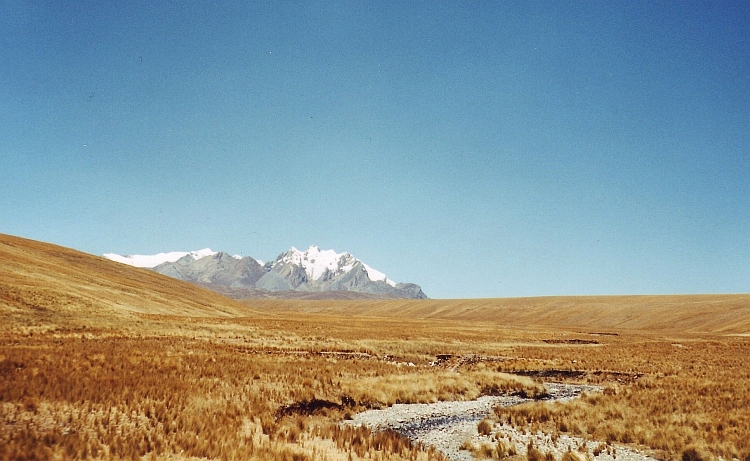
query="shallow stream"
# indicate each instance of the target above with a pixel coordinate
(447, 425)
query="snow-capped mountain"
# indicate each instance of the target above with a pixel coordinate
(312, 270)
(319, 263)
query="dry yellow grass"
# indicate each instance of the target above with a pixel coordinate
(49, 282)
(104, 361)
(719, 314)
(124, 398)
(691, 394)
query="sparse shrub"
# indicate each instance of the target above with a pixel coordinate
(484, 427)
(502, 450)
(532, 454)
(573, 456)
(487, 451)
(467, 445)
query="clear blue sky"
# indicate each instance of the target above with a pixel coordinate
(479, 149)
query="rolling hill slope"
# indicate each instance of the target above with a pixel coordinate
(718, 314)
(44, 281)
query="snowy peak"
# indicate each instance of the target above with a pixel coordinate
(150, 261)
(317, 262)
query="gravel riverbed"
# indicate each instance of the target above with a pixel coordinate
(447, 425)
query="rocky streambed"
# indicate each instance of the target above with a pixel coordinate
(448, 425)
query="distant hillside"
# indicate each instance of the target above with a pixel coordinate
(720, 314)
(43, 281)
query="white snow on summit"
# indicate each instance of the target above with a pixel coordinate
(154, 260)
(315, 262)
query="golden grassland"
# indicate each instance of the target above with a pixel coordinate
(51, 280)
(103, 361)
(721, 314)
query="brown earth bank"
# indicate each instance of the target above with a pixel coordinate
(104, 361)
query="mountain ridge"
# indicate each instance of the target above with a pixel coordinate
(313, 270)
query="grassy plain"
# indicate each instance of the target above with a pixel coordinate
(104, 361)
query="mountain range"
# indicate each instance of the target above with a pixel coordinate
(311, 273)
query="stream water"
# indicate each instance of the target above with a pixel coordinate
(447, 425)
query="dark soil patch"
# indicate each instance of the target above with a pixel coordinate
(557, 375)
(552, 374)
(308, 407)
(524, 395)
(314, 406)
(571, 341)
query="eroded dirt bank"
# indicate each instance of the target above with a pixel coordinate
(448, 426)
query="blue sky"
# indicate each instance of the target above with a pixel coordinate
(479, 149)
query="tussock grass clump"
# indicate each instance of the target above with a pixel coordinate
(433, 386)
(484, 427)
(574, 456)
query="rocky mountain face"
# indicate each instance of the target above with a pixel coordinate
(313, 270)
(219, 268)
